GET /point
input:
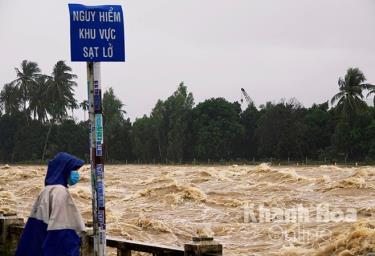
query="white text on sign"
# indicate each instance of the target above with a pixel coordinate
(90, 16)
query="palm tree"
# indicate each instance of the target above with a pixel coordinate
(10, 99)
(371, 89)
(25, 78)
(72, 106)
(38, 97)
(85, 106)
(60, 93)
(350, 99)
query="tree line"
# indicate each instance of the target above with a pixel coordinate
(36, 122)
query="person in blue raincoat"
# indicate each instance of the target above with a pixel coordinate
(55, 224)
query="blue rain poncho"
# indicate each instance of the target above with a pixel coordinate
(55, 224)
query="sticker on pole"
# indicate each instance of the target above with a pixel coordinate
(96, 33)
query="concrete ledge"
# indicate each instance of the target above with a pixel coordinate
(203, 246)
(9, 237)
(11, 228)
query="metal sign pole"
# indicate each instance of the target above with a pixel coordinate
(96, 156)
(96, 35)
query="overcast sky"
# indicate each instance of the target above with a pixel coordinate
(273, 48)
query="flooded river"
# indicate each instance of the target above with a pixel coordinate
(251, 210)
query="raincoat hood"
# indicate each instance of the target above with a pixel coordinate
(59, 169)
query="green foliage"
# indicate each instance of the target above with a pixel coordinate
(216, 129)
(144, 139)
(34, 124)
(116, 129)
(39, 97)
(281, 130)
(9, 125)
(29, 142)
(247, 147)
(176, 114)
(319, 129)
(166, 130)
(25, 79)
(10, 99)
(350, 98)
(60, 91)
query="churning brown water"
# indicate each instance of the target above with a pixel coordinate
(251, 210)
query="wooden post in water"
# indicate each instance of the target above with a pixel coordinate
(96, 156)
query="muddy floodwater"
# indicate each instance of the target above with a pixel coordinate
(251, 210)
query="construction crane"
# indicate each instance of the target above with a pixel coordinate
(247, 97)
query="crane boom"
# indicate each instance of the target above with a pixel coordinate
(247, 97)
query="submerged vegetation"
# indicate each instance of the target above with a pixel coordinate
(35, 123)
